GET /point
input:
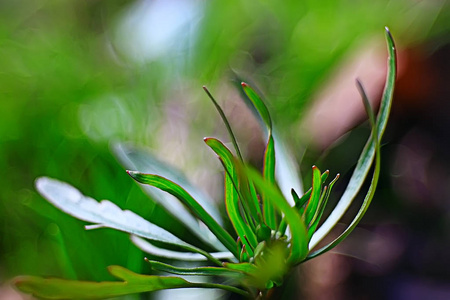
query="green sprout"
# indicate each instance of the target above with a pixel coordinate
(273, 230)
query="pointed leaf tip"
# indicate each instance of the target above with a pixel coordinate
(205, 88)
(259, 105)
(389, 35)
(132, 173)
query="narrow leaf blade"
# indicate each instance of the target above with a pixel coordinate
(313, 202)
(133, 158)
(225, 121)
(200, 271)
(321, 208)
(270, 216)
(177, 191)
(259, 105)
(243, 230)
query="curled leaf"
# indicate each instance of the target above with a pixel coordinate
(368, 154)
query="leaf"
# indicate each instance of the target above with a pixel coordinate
(177, 191)
(243, 267)
(313, 201)
(225, 121)
(243, 230)
(131, 283)
(105, 213)
(135, 159)
(321, 208)
(368, 154)
(286, 168)
(245, 190)
(259, 105)
(201, 271)
(55, 288)
(366, 102)
(299, 243)
(301, 202)
(184, 256)
(270, 216)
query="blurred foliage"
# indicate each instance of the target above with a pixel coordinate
(74, 76)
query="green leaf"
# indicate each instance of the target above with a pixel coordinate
(177, 191)
(286, 168)
(323, 202)
(299, 243)
(131, 283)
(243, 267)
(366, 103)
(259, 105)
(136, 159)
(324, 176)
(298, 204)
(105, 214)
(177, 255)
(243, 230)
(301, 202)
(313, 201)
(270, 216)
(368, 154)
(229, 162)
(201, 271)
(225, 121)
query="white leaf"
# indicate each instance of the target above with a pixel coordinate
(104, 213)
(286, 170)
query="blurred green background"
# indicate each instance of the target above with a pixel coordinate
(77, 75)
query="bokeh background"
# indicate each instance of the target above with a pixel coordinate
(76, 76)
